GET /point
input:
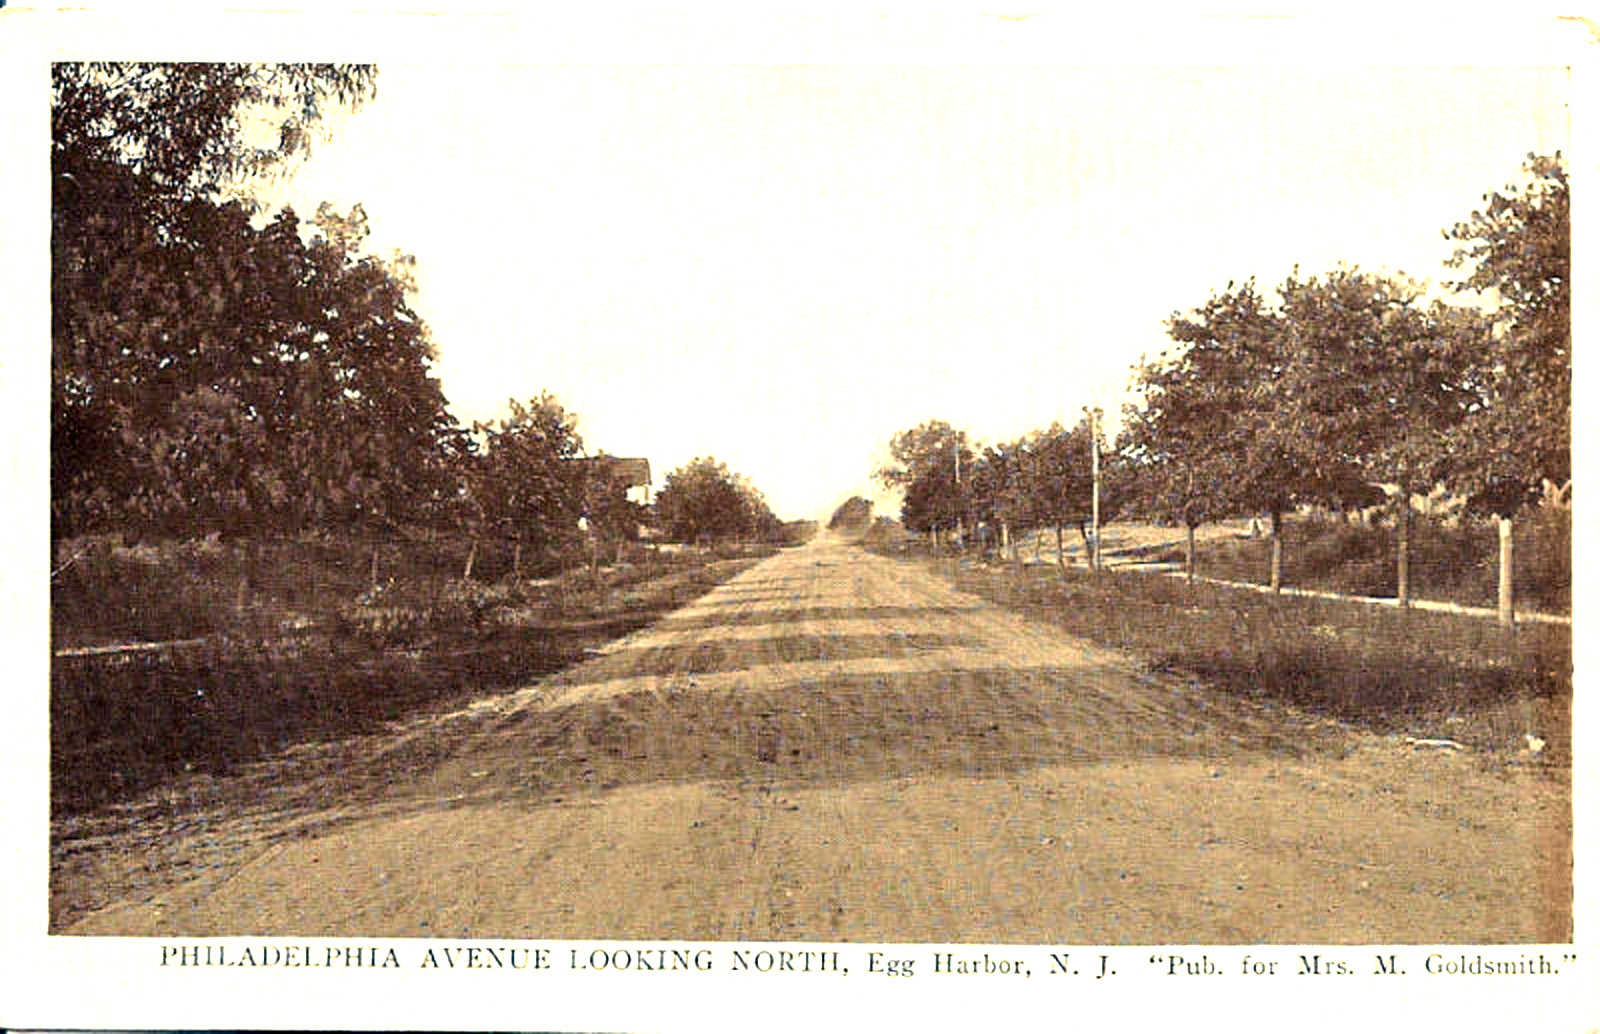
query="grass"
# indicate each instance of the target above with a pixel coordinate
(309, 649)
(1420, 673)
(106, 592)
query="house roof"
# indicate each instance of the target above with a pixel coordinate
(633, 470)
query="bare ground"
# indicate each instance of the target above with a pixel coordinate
(836, 746)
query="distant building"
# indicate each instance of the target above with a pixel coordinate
(632, 471)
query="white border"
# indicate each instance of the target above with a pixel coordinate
(117, 983)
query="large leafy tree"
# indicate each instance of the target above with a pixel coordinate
(854, 514)
(250, 375)
(1380, 383)
(704, 501)
(183, 131)
(1215, 429)
(1516, 250)
(211, 370)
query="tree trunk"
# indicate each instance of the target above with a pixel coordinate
(1188, 554)
(472, 555)
(1038, 545)
(1061, 550)
(374, 565)
(1277, 552)
(1089, 557)
(516, 562)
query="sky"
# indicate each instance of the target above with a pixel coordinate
(782, 265)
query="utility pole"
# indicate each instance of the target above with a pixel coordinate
(961, 541)
(1094, 512)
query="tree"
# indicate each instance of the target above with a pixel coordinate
(182, 131)
(705, 501)
(609, 516)
(927, 464)
(1055, 475)
(998, 494)
(854, 514)
(224, 375)
(209, 372)
(527, 487)
(1380, 383)
(1214, 426)
(1516, 251)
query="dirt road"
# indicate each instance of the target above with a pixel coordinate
(836, 746)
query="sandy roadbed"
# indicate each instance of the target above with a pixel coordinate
(835, 746)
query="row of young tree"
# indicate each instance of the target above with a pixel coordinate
(1336, 391)
(958, 489)
(217, 367)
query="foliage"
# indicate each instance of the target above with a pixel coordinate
(1376, 380)
(1517, 250)
(1213, 435)
(1055, 473)
(527, 485)
(1043, 479)
(927, 462)
(853, 514)
(1000, 493)
(183, 131)
(704, 501)
(209, 371)
(244, 375)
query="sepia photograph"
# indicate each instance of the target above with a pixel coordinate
(786, 500)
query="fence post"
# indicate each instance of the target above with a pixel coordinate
(1403, 561)
(1508, 615)
(1276, 573)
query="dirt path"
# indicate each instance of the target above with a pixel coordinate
(836, 746)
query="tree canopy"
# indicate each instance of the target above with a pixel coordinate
(853, 514)
(187, 130)
(211, 369)
(926, 464)
(704, 501)
(1517, 251)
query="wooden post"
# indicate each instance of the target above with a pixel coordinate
(960, 539)
(1276, 577)
(1403, 561)
(1188, 554)
(1094, 470)
(1508, 615)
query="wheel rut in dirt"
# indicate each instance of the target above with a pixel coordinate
(840, 746)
